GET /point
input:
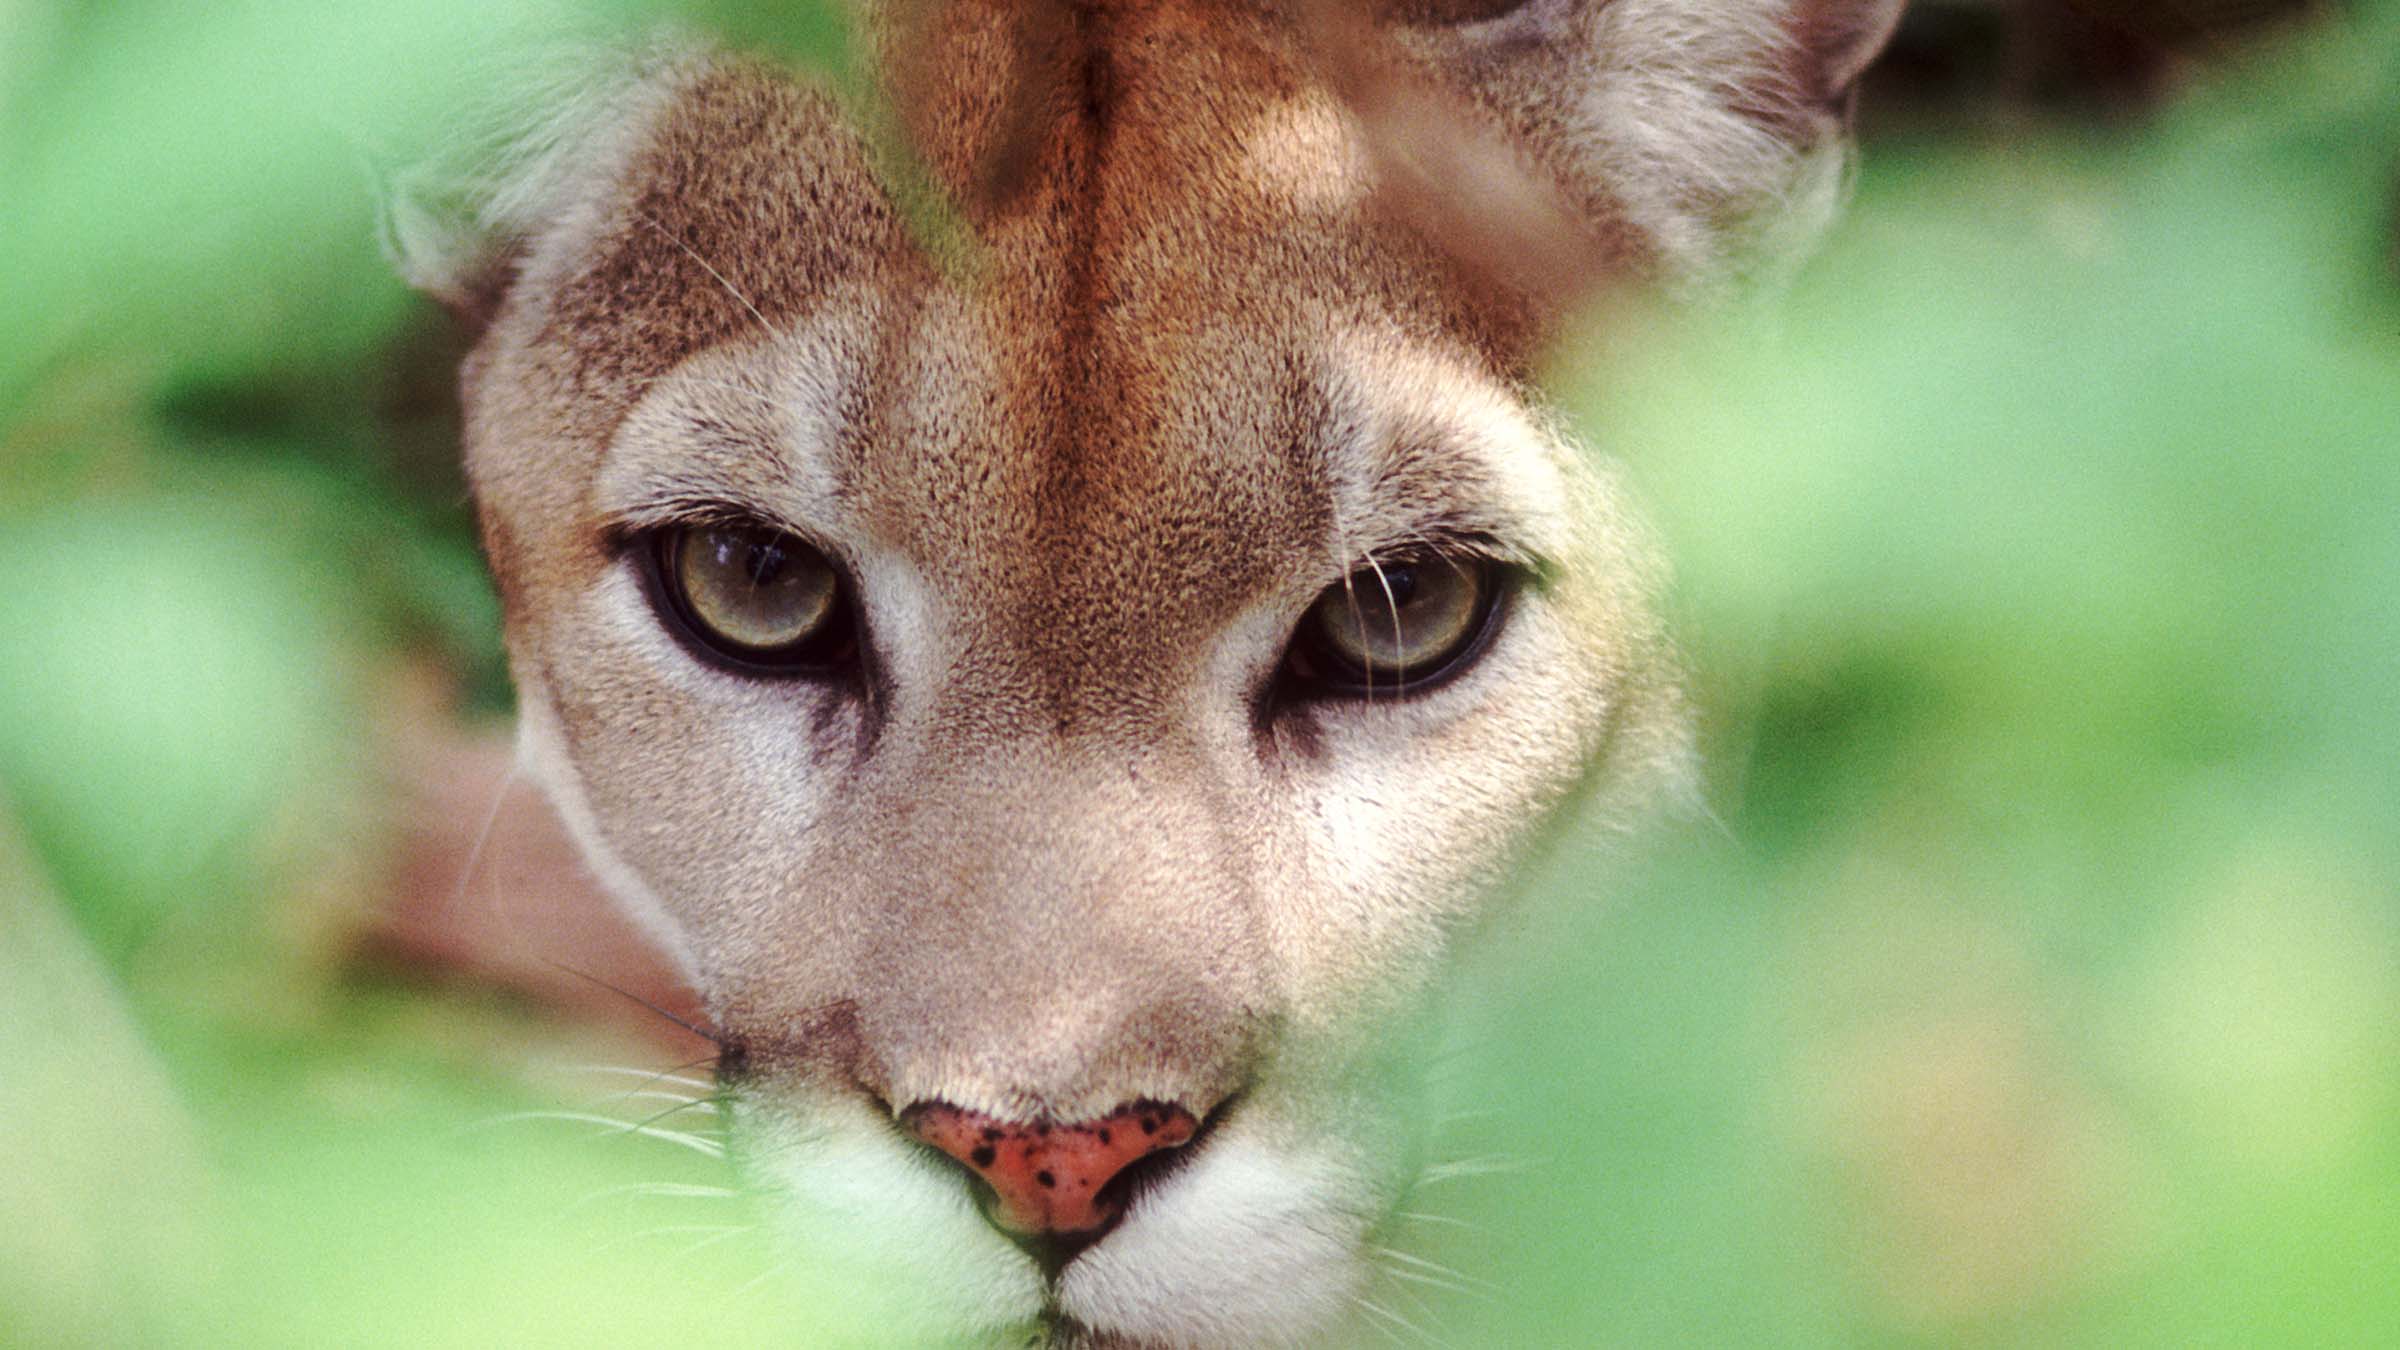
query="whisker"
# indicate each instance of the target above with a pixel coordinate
(1441, 1220)
(706, 1104)
(695, 1143)
(1708, 813)
(1341, 540)
(657, 1190)
(1412, 1259)
(1433, 1273)
(1431, 1281)
(1450, 1118)
(483, 834)
(694, 255)
(1350, 598)
(1450, 1055)
(1489, 1164)
(682, 1104)
(703, 1033)
(1391, 602)
(1392, 1320)
(672, 1075)
(1421, 1305)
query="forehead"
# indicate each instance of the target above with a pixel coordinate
(1116, 190)
(1164, 229)
(1111, 448)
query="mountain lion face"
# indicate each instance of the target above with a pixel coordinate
(1054, 599)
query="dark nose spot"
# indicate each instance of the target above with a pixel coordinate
(1049, 1178)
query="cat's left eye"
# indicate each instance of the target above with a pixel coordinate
(753, 597)
(1398, 623)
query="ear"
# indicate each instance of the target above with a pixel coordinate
(1713, 131)
(457, 223)
(1834, 41)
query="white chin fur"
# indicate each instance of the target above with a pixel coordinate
(887, 1233)
(1242, 1247)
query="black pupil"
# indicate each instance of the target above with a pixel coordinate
(763, 563)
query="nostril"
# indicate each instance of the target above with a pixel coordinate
(1050, 1179)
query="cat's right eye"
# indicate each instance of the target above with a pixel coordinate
(753, 597)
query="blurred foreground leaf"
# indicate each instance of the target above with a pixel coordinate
(2039, 565)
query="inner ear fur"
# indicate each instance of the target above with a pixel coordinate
(539, 144)
(1714, 131)
(1834, 41)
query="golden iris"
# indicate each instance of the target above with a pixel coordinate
(1394, 621)
(755, 590)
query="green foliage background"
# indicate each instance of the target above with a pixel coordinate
(2037, 560)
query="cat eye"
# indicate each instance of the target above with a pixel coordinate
(1399, 623)
(753, 596)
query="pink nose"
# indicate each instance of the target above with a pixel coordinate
(1049, 1177)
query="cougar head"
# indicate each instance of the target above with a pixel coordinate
(1054, 599)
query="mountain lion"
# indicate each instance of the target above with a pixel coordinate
(1051, 593)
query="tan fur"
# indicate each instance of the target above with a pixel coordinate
(1193, 344)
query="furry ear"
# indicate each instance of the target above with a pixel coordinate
(1834, 41)
(456, 225)
(1714, 132)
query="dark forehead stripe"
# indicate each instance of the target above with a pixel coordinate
(1157, 460)
(1156, 310)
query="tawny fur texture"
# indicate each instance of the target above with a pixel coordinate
(1168, 339)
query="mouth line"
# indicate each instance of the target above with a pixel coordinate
(1147, 1174)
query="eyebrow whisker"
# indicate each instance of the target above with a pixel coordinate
(1391, 602)
(1350, 596)
(705, 266)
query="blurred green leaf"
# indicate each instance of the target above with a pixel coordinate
(2039, 557)
(2037, 566)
